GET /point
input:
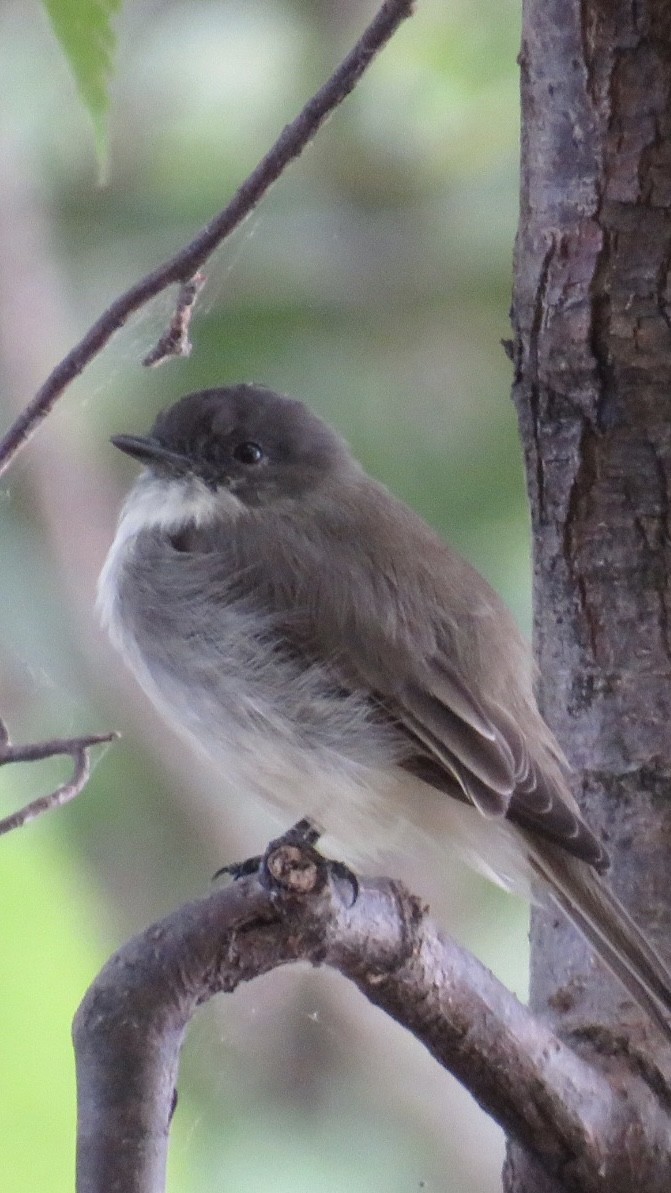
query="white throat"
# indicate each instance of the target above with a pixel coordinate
(157, 503)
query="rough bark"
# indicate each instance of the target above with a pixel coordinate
(592, 353)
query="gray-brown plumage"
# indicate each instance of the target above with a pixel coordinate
(317, 638)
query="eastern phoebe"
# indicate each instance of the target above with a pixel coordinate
(336, 658)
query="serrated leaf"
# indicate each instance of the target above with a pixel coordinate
(84, 30)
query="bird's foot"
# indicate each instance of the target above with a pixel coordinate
(294, 852)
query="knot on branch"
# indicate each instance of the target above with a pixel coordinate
(295, 866)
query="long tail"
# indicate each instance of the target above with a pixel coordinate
(600, 917)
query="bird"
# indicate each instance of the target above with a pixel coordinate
(335, 657)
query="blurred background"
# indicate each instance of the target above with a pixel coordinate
(374, 284)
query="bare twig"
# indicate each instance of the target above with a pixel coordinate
(130, 1026)
(182, 267)
(78, 749)
(175, 339)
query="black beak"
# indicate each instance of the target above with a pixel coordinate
(148, 451)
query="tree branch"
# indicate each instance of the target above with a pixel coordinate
(183, 267)
(129, 1029)
(79, 750)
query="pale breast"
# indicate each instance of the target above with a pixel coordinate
(279, 729)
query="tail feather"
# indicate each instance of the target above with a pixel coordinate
(605, 924)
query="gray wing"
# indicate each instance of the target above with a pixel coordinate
(457, 743)
(485, 754)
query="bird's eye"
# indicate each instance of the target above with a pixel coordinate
(248, 453)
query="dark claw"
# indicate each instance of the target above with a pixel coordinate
(304, 833)
(342, 873)
(237, 870)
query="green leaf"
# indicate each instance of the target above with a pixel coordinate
(84, 29)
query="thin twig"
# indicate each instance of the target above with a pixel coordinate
(182, 267)
(175, 340)
(76, 747)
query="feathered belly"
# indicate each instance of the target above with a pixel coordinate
(279, 731)
(307, 752)
(286, 734)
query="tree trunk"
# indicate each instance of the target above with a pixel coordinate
(592, 350)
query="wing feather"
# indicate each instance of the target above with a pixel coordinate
(468, 746)
(483, 765)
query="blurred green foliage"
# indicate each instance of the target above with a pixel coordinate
(84, 29)
(373, 283)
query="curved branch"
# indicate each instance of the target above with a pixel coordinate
(183, 267)
(129, 1028)
(79, 750)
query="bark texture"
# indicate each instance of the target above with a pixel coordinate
(592, 351)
